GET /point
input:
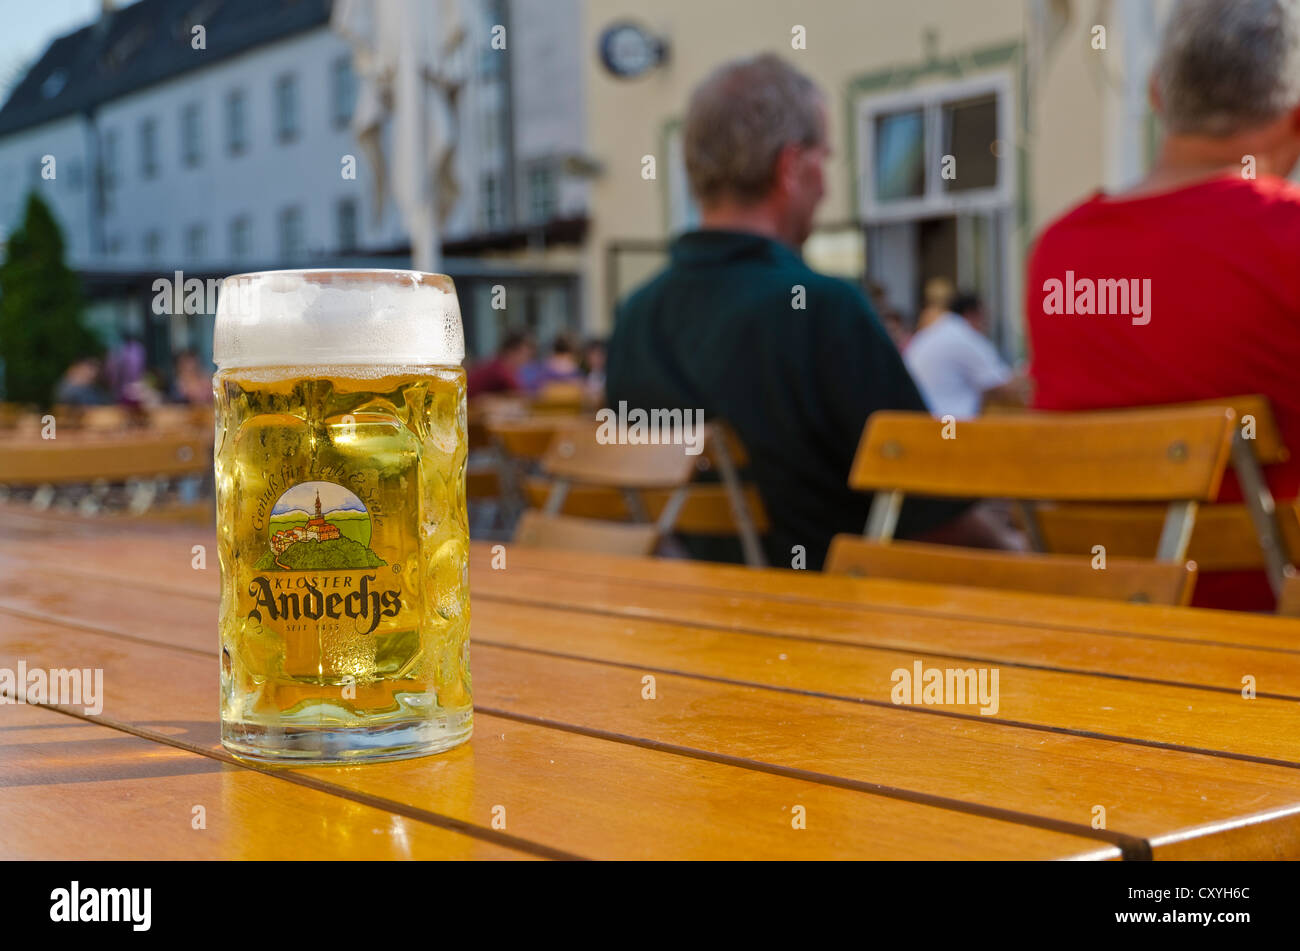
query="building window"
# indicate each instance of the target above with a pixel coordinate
(191, 137)
(286, 108)
(153, 242)
(970, 133)
(343, 85)
(241, 238)
(148, 148)
(114, 248)
(541, 192)
(899, 156)
(108, 162)
(236, 123)
(346, 214)
(493, 207)
(196, 242)
(291, 242)
(922, 150)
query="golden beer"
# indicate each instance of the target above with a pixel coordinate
(341, 517)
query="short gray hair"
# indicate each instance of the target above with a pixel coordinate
(738, 121)
(1228, 65)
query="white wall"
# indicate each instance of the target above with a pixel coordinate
(68, 194)
(266, 177)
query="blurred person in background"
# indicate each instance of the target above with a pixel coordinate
(956, 366)
(560, 366)
(1208, 240)
(593, 364)
(124, 370)
(890, 316)
(191, 383)
(720, 330)
(80, 385)
(501, 373)
(938, 296)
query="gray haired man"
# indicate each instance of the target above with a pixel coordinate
(1210, 236)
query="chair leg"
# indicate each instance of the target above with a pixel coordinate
(1177, 532)
(883, 517)
(740, 512)
(1259, 502)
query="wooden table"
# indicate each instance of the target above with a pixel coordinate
(772, 732)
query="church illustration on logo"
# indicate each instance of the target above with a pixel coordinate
(316, 530)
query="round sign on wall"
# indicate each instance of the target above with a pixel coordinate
(628, 50)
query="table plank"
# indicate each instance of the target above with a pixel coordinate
(911, 598)
(75, 790)
(1148, 793)
(1150, 659)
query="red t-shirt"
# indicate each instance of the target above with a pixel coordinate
(1219, 317)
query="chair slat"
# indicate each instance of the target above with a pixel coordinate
(575, 454)
(1133, 455)
(1121, 579)
(567, 532)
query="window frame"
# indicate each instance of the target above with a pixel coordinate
(236, 144)
(191, 135)
(286, 132)
(931, 99)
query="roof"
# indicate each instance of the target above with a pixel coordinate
(147, 43)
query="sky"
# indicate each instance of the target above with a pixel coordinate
(28, 26)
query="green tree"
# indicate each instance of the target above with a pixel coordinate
(41, 333)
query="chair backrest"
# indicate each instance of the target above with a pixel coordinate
(1119, 456)
(527, 438)
(575, 454)
(72, 459)
(1172, 455)
(1124, 579)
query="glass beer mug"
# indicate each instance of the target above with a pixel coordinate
(341, 521)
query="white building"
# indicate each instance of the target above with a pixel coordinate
(160, 153)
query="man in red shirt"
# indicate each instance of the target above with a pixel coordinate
(1187, 286)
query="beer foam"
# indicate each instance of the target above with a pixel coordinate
(337, 318)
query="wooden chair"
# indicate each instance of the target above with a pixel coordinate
(1250, 535)
(1175, 456)
(575, 457)
(727, 507)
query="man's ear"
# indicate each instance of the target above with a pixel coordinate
(786, 174)
(1153, 95)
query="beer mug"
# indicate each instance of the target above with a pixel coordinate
(341, 522)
